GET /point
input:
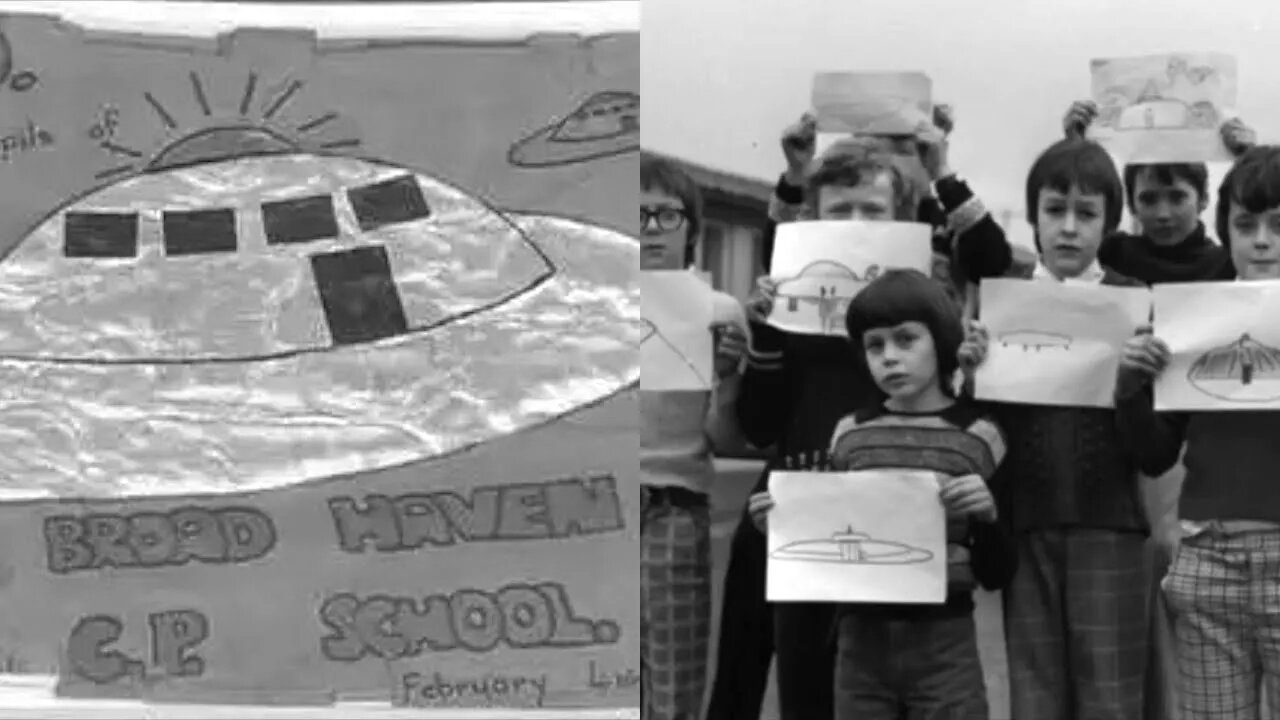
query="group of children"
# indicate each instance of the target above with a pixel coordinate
(1043, 503)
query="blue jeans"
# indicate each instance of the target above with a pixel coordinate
(909, 669)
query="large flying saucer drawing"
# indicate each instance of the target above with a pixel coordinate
(849, 547)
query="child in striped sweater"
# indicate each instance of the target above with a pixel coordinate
(906, 661)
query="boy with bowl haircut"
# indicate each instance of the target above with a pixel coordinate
(1077, 611)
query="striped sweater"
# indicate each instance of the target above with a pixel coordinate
(956, 441)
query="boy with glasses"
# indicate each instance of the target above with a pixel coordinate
(679, 430)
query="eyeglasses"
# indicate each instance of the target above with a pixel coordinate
(664, 217)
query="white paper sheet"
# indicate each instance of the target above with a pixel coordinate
(1054, 343)
(870, 536)
(676, 353)
(1225, 342)
(886, 103)
(872, 103)
(1164, 108)
(821, 265)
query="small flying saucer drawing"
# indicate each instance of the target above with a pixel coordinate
(607, 124)
(1035, 340)
(1243, 371)
(849, 547)
(827, 285)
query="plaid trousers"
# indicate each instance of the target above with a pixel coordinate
(1224, 593)
(675, 606)
(1077, 625)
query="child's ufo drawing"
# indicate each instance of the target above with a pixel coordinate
(1036, 340)
(1244, 371)
(825, 285)
(608, 123)
(852, 548)
(258, 321)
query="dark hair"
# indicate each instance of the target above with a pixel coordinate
(851, 161)
(1253, 183)
(1080, 163)
(900, 296)
(661, 175)
(1195, 174)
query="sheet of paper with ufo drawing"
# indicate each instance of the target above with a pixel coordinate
(1225, 343)
(820, 265)
(1164, 108)
(1054, 343)
(868, 536)
(675, 353)
(869, 103)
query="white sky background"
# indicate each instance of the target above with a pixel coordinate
(480, 20)
(721, 78)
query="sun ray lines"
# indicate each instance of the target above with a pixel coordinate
(314, 123)
(249, 87)
(165, 117)
(345, 143)
(120, 149)
(284, 97)
(112, 172)
(198, 89)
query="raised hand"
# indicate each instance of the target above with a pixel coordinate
(799, 140)
(1079, 117)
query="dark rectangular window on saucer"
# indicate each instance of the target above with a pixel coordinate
(197, 232)
(391, 201)
(359, 295)
(299, 220)
(100, 235)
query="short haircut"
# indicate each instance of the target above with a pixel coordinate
(852, 161)
(900, 296)
(1253, 183)
(1078, 163)
(1195, 174)
(662, 175)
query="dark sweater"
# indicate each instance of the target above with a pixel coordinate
(956, 441)
(1197, 258)
(1067, 467)
(1231, 457)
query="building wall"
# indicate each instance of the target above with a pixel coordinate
(731, 247)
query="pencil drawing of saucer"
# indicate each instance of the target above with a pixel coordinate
(608, 123)
(1243, 371)
(852, 548)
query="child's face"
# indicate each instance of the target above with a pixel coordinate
(871, 199)
(664, 224)
(1168, 212)
(1070, 227)
(902, 359)
(1255, 242)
